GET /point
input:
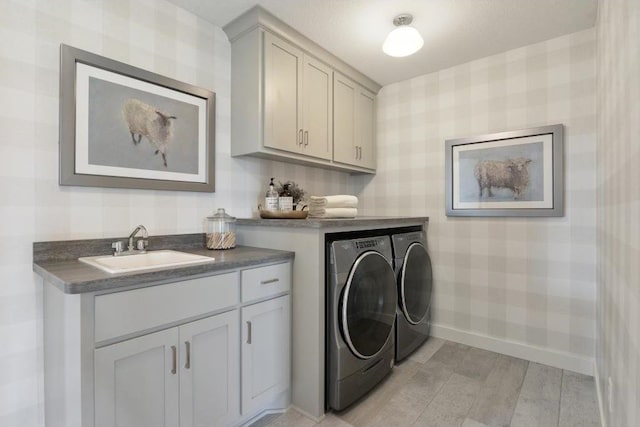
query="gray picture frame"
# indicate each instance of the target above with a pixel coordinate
(484, 207)
(70, 58)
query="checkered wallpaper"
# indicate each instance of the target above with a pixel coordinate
(151, 34)
(528, 280)
(618, 94)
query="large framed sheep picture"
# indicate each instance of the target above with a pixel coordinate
(516, 173)
(125, 127)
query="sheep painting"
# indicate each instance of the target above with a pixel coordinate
(511, 174)
(145, 120)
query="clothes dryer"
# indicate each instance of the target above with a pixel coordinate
(361, 310)
(414, 279)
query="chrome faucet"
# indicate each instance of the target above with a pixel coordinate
(141, 243)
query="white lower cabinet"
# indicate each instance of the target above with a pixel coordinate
(134, 381)
(192, 371)
(120, 368)
(210, 368)
(266, 348)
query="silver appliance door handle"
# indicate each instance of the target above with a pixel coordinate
(187, 346)
(248, 332)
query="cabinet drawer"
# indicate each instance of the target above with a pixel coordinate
(127, 312)
(262, 282)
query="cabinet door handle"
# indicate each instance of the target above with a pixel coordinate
(266, 282)
(299, 137)
(360, 151)
(306, 138)
(248, 332)
(356, 152)
(187, 346)
(174, 356)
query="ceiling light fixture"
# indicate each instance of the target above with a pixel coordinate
(404, 40)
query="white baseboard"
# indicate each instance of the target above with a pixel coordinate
(542, 355)
(600, 394)
(308, 415)
(253, 419)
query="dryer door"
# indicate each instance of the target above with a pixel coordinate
(416, 279)
(368, 305)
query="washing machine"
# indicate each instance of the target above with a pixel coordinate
(361, 311)
(414, 279)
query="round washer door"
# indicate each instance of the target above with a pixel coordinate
(368, 305)
(416, 280)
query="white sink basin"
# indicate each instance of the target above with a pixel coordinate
(146, 261)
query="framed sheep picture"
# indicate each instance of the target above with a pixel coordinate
(125, 127)
(517, 173)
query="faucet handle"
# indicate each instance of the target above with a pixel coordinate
(117, 247)
(142, 244)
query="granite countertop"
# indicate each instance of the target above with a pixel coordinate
(57, 263)
(361, 221)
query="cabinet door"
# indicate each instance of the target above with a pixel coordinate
(266, 344)
(365, 128)
(210, 371)
(282, 94)
(317, 114)
(136, 382)
(344, 116)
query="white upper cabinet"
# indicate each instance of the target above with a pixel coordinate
(317, 102)
(366, 128)
(353, 123)
(297, 100)
(283, 103)
(282, 94)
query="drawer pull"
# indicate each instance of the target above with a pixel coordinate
(248, 332)
(174, 363)
(187, 346)
(266, 282)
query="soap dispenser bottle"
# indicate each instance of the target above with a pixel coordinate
(271, 198)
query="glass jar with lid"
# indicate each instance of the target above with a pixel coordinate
(221, 231)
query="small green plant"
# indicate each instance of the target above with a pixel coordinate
(297, 193)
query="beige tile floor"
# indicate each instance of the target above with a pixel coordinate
(445, 384)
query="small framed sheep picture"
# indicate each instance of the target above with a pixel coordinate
(517, 173)
(125, 127)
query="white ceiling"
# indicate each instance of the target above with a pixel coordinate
(454, 31)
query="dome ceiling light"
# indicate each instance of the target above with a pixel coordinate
(404, 40)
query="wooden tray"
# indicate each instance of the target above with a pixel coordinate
(283, 215)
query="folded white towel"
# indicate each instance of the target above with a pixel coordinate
(338, 201)
(333, 212)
